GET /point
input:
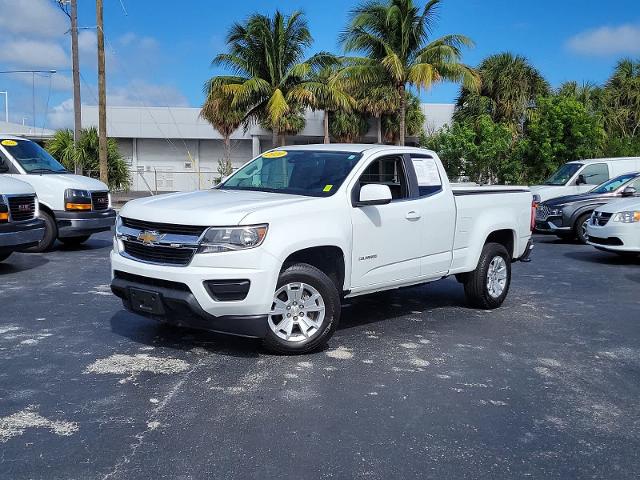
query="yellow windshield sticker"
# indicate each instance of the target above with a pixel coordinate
(275, 154)
(9, 143)
(327, 188)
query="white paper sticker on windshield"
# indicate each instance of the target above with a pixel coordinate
(427, 172)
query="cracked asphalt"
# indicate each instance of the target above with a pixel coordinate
(413, 384)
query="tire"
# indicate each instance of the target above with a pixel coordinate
(580, 227)
(476, 285)
(50, 234)
(74, 241)
(4, 256)
(310, 325)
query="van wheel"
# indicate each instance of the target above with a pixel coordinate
(305, 311)
(487, 286)
(74, 241)
(50, 234)
(580, 227)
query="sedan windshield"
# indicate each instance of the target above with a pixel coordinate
(313, 173)
(564, 174)
(614, 183)
(32, 157)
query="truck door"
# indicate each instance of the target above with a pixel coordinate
(386, 238)
(438, 221)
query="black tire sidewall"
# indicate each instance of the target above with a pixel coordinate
(476, 286)
(578, 227)
(50, 234)
(302, 272)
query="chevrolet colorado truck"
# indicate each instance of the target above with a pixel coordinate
(72, 207)
(20, 226)
(272, 250)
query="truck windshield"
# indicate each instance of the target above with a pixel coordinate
(614, 183)
(564, 174)
(32, 157)
(313, 173)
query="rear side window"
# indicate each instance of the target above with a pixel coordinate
(429, 180)
(596, 173)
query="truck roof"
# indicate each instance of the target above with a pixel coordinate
(352, 147)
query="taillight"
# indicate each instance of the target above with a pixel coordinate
(534, 205)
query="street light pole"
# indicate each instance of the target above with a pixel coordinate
(6, 106)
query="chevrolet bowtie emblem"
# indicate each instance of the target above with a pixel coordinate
(149, 237)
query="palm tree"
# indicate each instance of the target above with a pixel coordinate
(378, 101)
(510, 85)
(324, 91)
(347, 127)
(266, 58)
(621, 99)
(394, 37)
(219, 111)
(414, 122)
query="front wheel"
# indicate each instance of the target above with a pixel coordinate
(50, 234)
(580, 227)
(487, 286)
(305, 310)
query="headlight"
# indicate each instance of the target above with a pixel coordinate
(77, 199)
(626, 217)
(225, 239)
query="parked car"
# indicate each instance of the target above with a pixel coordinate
(580, 176)
(615, 227)
(20, 226)
(72, 207)
(568, 216)
(270, 252)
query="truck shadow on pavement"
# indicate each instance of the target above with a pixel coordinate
(362, 311)
(85, 247)
(602, 258)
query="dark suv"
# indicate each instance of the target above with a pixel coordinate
(567, 216)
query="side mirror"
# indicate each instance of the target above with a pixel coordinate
(581, 180)
(629, 192)
(374, 194)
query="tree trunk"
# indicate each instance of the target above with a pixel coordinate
(227, 150)
(403, 112)
(102, 97)
(379, 128)
(274, 136)
(77, 115)
(326, 127)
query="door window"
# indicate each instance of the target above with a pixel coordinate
(387, 171)
(596, 173)
(429, 181)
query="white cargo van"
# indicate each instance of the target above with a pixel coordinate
(581, 176)
(72, 207)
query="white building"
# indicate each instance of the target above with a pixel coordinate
(172, 148)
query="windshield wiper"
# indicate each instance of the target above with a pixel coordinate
(45, 170)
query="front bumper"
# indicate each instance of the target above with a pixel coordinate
(189, 303)
(19, 235)
(615, 236)
(551, 225)
(77, 224)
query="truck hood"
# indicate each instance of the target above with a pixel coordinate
(11, 186)
(62, 181)
(624, 205)
(206, 207)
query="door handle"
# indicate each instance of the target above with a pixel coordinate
(412, 215)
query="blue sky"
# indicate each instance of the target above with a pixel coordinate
(159, 52)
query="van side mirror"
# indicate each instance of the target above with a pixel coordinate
(629, 192)
(581, 180)
(374, 194)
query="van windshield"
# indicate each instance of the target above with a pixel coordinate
(315, 173)
(614, 183)
(564, 174)
(32, 157)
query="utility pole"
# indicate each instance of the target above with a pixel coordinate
(102, 96)
(77, 113)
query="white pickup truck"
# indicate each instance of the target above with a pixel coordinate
(20, 226)
(72, 207)
(271, 251)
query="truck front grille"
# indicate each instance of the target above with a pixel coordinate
(100, 200)
(192, 230)
(179, 256)
(22, 208)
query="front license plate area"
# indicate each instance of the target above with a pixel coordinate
(145, 301)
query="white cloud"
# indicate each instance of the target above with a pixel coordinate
(34, 54)
(142, 93)
(39, 18)
(61, 116)
(603, 41)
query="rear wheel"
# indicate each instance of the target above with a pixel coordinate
(487, 286)
(580, 227)
(305, 310)
(74, 241)
(50, 234)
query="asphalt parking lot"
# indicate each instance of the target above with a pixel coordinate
(413, 384)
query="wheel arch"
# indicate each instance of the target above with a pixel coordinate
(329, 259)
